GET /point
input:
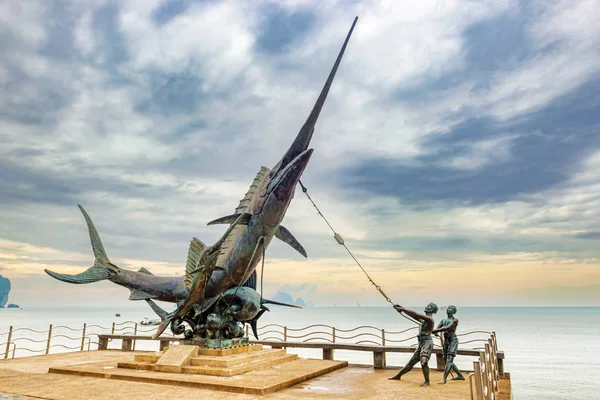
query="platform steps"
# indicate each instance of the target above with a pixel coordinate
(224, 363)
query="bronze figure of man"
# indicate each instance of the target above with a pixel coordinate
(448, 326)
(425, 347)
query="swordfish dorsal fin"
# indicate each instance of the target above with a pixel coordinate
(195, 251)
(247, 203)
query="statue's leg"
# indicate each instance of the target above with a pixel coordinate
(413, 361)
(459, 375)
(447, 369)
(425, 369)
(426, 350)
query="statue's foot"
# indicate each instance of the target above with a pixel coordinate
(442, 382)
(458, 378)
(394, 378)
(425, 383)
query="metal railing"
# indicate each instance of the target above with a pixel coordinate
(20, 340)
(27, 340)
(484, 380)
(365, 334)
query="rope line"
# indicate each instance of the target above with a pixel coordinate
(262, 270)
(340, 241)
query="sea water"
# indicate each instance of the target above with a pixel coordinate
(551, 353)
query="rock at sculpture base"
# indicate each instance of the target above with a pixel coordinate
(217, 343)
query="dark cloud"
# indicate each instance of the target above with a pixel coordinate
(169, 10)
(20, 184)
(588, 235)
(550, 144)
(502, 42)
(110, 42)
(59, 24)
(283, 28)
(545, 146)
(174, 94)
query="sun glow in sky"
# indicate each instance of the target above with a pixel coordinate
(458, 153)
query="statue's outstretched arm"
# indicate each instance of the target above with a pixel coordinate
(414, 314)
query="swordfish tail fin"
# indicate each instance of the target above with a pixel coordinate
(102, 268)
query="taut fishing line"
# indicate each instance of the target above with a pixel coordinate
(338, 238)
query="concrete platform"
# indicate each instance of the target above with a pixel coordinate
(28, 377)
(259, 372)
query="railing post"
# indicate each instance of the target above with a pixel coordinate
(440, 362)
(49, 337)
(333, 334)
(478, 380)
(485, 375)
(494, 362)
(8, 342)
(491, 363)
(10, 330)
(499, 361)
(383, 344)
(126, 344)
(246, 330)
(102, 342)
(83, 337)
(379, 359)
(112, 331)
(284, 335)
(134, 333)
(164, 344)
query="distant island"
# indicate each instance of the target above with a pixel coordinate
(284, 297)
(4, 291)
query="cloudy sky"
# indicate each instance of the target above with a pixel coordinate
(458, 152)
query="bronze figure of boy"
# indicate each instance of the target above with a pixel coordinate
(425, 347)
(448, 326)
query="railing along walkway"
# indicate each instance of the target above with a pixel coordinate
(19, 340)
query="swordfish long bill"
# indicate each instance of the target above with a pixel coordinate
(305, 135)
(269, 197)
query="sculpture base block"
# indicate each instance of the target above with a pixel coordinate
(253, 371)
(216, 343)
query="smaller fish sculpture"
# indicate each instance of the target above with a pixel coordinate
(200, 275)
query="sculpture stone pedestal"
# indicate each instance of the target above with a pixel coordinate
(216, 343)
(256, 370)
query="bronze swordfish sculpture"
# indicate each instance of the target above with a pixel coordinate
(218, 291)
